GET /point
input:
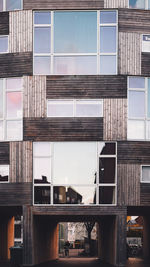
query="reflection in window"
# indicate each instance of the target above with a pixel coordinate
(107, 195)
(146, 43)
(8, 5)
(1, 5)
(4, 173)
(3, 44)
(141, 4)
(68, 42)
(146, 174)
(41, 195)
(107, 168)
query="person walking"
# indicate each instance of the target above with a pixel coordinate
(66, 248)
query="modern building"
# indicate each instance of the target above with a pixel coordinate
(74, 122)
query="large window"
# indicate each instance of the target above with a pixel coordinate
(141, 4)
(11, 109)
(74, 173)
(145, 174)
(4, 173)
(8, 5)
(3, 44)
(75, 42)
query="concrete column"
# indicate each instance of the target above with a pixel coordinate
(6, 237)
(146, 238)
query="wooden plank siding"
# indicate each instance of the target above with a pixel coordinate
(34, 96)
(145, 69)
(63, 4)
(4, 23)
(86, 86)
(115, 3)
(134, 20)
(133, 152)
(20, 162)
(20, 33)
(63, 129)
(115, 119)
(4, 153)
(15, 64)
(130, 48)
(128, 184)
(145, 194)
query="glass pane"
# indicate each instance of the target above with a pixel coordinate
(1, 98)
(137, 4)
(14, 130)
(74, 163)
(146, 43)
(1, 130)
(108, 17)
(14, 105)
(148, 129)
(107, 170)
(13, 4)
(148, 99)
(107, 39)
(107, 148)
(42, 40)
(82, 65)
(1, 5)
(108, 65)
(42, 195)
(136, 130)
(4, 173)
(148, 4)
(60, 109)
(136, 104)
(13, 83)
(3, 44)
(89, 108)
(77, 31)
(136, 82)
(42, 149)
(42, 17)
(74, 195)
(107, 195)
(146, 174)
(42, 65)
(42, 169)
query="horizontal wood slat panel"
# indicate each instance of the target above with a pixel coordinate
(20, 162)
(4, 153)
(34, 100)
(16, 194)
(4, 23)
(134, 20)
(128, 184)
(133, 152)
(63, 129)
(145, 194)
(115, 3)
(130, 48)
(115, 119)
(86, 86)
(20, 33)
(63, 4)
(15, 64)
(145, 64)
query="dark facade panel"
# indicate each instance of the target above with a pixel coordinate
(15, 64)
(4, 23)
(131, 152)
(86, 86)
(145, 194)
(133, 20)
(16, 194)
(4, 153)
(63, 129)
(145, 68)
(63, 4)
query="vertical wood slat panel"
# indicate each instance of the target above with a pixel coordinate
(20, 162)
(128, 184)
(130, 53)
(34, 98)
(20, 33)
(115, 3)
(115, 119)
(28, 235)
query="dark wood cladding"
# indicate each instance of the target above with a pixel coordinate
(134, 20)
(63, 129)
(145, 64)
(145, 194)
(4, 153)
(4, 23)
(15, 64)
(131, 152)
(16, 194)
(63, 4)
(86, 86)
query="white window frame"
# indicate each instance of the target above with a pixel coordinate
(144, 182)
(97, 185)
(146, 5)
(5, 52)
(4, 165)
(52, 54)
(4, 120)
(4, 6)
(74, 103)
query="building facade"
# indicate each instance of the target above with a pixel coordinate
(74, 122)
